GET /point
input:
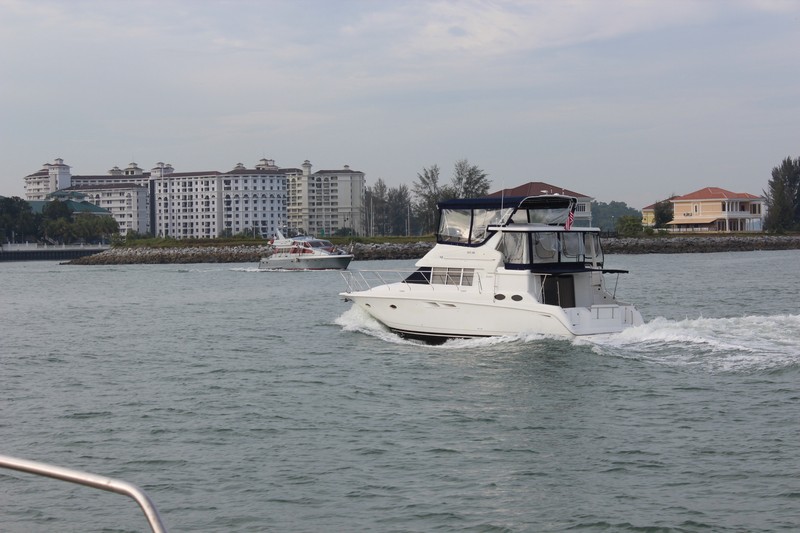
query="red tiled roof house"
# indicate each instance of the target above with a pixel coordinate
(715, 209)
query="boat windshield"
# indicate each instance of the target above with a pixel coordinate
(551, 210)
(468, 221)
(524, 250)
(469, 226)
(551, 217)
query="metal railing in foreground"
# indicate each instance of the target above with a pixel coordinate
(89, 480)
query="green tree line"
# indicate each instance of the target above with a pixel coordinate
(615, 217)
(403, 211)
(783, 197)
(57, 223)
(395, 211)
(467, 181)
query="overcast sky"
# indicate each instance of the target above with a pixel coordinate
(625, 100)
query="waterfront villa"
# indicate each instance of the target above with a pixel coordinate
(716, 209)
(583, 209)
(649, 213)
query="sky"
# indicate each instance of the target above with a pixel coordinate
(621, 100)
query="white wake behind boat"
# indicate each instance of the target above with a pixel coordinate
(500, 267)
(304, 253)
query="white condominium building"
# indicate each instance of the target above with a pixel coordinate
(51, 178)
(127, 202)
(131, 174)
(208, 204)
(211, 204)
(327, 201)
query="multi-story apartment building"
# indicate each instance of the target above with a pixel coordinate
(213, 203)
(126, 202)
(327, 201)
(209, 204)
(51, 178)
(132, 174)
(123, 193)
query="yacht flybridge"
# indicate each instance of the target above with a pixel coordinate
(500, 266)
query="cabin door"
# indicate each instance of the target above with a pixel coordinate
(559, 290)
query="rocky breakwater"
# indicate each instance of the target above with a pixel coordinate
(415, 250)
(410, 250)
(189, 254)
(700, 244)
(641, 245)
(238, 254)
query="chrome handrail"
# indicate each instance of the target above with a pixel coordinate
(89, 480)
(360, 280)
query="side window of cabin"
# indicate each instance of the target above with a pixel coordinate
(514, 247)
(592, 247)
(452, 276)
(545, 247)
(481, 218)
(454, 226)
(520, 217)
(572, 246)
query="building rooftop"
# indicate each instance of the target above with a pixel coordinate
(715, 193)
(75, 207)
(651, 207)
(535, 188)
(104, 186)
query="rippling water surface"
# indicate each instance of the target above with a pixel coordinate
(258, 401)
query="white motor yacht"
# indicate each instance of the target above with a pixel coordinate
(304, 253)
(501, 266)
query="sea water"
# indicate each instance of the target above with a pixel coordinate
(242, 400)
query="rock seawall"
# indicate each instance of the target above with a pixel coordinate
(237, 254)
(199, 254)
(364, 252)
(700, 244)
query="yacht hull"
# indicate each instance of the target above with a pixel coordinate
(305, 262)
(442, 319)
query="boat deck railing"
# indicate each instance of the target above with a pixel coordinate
(89, 480)
(362, 280)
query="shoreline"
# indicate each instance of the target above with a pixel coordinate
(368, 252)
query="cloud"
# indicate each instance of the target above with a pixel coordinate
(489, 29)
(392, 86)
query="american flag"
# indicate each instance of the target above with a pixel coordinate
(570, 219)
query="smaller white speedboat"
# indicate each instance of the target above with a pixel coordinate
(304, 253)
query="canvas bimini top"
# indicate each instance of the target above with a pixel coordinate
(535, 233)
(467, 221)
